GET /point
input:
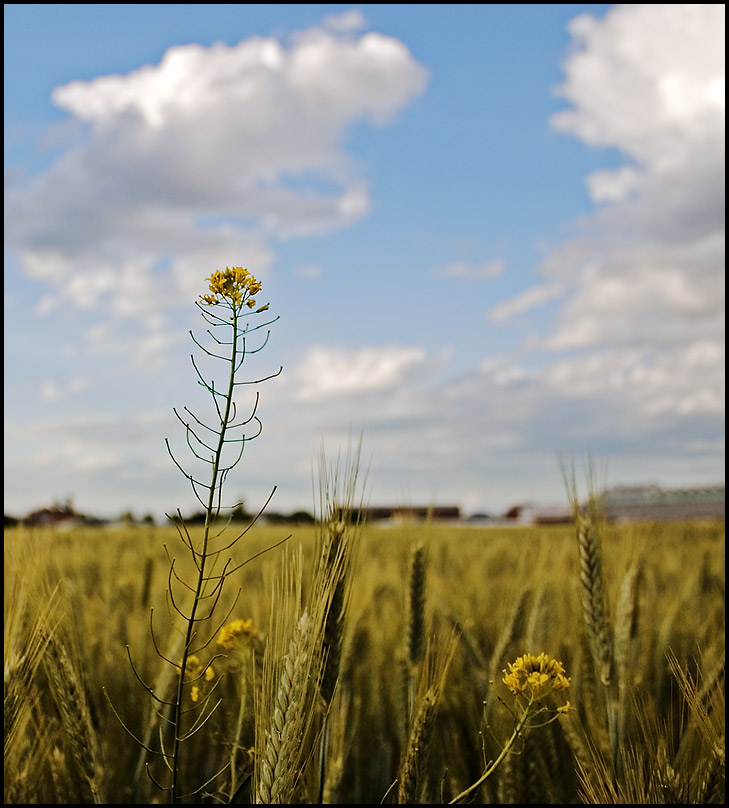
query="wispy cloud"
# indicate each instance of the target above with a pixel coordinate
(467, 271)
(51, 391)
(530, 298)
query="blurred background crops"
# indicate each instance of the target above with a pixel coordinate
(75, 600)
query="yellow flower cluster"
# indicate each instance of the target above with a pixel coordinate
(194, 668)
(228, 633)
(235, 286)
(538, 674)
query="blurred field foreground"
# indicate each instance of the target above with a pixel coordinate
(75, 599)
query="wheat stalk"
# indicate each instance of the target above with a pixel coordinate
(415, 631)
(23, 652)
(626, 621)
(626, 634)
(416, 605)
(595, 616)
(30, 619)
(512, 630)
(334, 562)
(280, 759)
(340, 521)
(535, 633)
(437, 659)
(594, 606)
(292, 687)
(418, 748)
(337, 746)
(70, 697)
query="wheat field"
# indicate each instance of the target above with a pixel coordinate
(393, 693)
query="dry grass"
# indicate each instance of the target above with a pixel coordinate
(502, 592)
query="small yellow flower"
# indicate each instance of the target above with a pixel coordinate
(536, 679)
(192, 665)
(209, 673)
(228, 633)
(194, 692)
(538, 674)
(234, 286)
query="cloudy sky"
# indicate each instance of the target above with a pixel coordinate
(493, 236)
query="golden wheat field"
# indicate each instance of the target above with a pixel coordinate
(392, 693)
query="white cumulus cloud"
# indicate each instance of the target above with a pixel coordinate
(643, 281)
(206, 157)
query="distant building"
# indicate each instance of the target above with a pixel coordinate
(648, 503)
(54, 516)
(409, 513)
(556, 515)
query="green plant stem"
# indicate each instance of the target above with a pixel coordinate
(504, 752)
(236, 739)
(323, 753)
(201, 566)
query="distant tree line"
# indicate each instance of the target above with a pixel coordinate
(65, 514)
(240, 514)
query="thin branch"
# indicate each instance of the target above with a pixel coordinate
(214, 777)
(161, 656)
(254, 557)
(197, 727)
(189, 477)
(128, 731)
(206, 350)
(202, 381)
(155, 781)
(200, 422)
(264, 379)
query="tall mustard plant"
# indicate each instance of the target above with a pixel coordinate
(217, 446)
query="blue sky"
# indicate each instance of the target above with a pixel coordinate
(494, 235)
